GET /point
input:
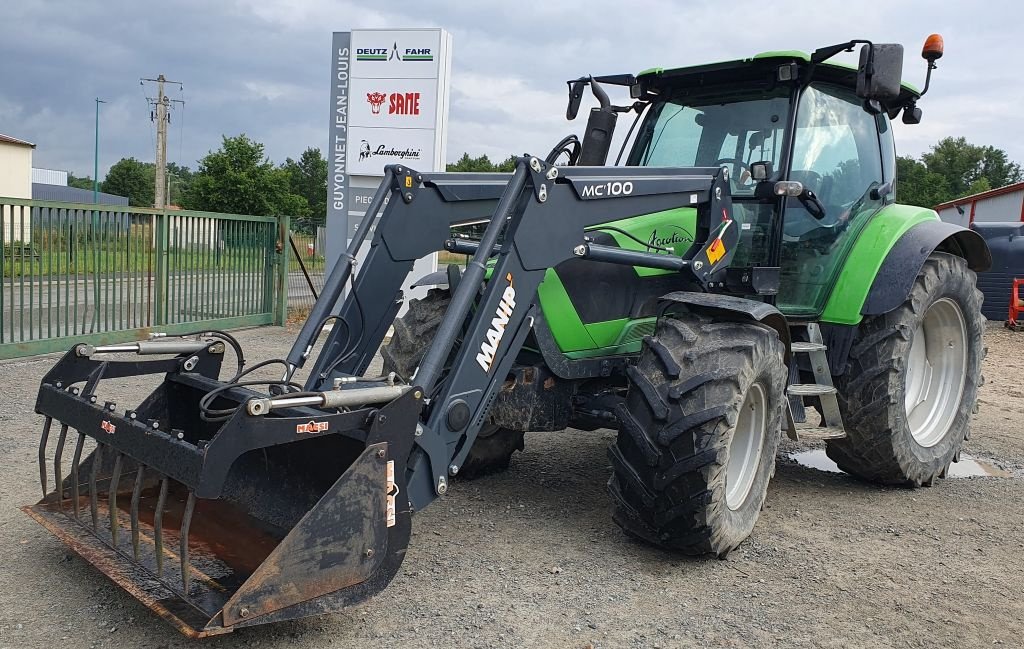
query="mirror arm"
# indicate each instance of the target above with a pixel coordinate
(928, 77)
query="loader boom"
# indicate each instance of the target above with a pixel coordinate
(538, 198)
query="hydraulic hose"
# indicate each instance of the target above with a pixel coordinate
(335, 282)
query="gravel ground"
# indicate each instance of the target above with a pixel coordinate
(530, 557)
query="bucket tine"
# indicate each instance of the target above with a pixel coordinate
(115, 478)
(57, 459)
(186, 520)
(136, 494)
(93, 496)
(158, 528)
(74, 473)
(42, 452)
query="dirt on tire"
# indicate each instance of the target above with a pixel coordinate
(670, 459)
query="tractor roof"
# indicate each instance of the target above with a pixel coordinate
(752, 68)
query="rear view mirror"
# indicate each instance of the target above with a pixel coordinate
(575, 97)
(880, 71)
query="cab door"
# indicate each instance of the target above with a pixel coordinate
(837, 154)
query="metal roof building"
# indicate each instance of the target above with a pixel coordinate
(1001, 205)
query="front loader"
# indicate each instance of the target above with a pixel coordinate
(745, 273)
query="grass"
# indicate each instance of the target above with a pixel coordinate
(61, 252)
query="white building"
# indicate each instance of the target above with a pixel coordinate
(15, 182)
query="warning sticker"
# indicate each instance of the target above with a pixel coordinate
(716, 251)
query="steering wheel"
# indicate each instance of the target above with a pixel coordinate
(741, 178)
(570, 146)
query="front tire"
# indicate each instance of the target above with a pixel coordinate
(493, 448)
(699, 431)
(911, 385)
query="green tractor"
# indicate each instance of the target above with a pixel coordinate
(882, 327)
(747, 273)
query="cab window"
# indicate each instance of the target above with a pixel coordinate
(836, 155)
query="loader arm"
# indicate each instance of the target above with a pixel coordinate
(537, 219)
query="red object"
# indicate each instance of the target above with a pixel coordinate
(933, 47)
(1016, 304)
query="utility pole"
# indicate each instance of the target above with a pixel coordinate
(161, 115)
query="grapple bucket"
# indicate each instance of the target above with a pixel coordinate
(218, 525)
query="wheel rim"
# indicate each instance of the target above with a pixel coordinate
(487, 430)
(745, 447)
(936, 372)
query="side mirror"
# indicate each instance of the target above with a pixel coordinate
(760, 170)
(880, 71)
(575, 97)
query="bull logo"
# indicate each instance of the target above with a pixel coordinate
(364, 150)
(376, 100)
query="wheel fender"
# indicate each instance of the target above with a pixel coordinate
(437, 278)
(734, 306)
(899, 270)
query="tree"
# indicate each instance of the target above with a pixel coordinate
(131, 178)
(81, 182)
(308, 178)
(481, 164)
(179, 178)
(964, 165)
(238, 178)
(916, 185)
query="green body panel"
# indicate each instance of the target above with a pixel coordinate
(669, 229)
(566, 326)
(866, 257)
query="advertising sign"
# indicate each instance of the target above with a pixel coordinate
(389, 105)
(397, 54)
(394, 103)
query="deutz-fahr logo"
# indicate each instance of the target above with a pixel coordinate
(489, 347)
(312, 427)
(383, 54)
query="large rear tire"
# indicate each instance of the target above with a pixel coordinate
(699, 431)
(911, 385)
(492, 451)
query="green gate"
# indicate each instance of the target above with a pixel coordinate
(110, 273)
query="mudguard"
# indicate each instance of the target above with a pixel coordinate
(898, 272)
(735, 306)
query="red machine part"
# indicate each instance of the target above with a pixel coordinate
(1016, 306)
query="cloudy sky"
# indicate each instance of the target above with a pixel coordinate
(262, 66)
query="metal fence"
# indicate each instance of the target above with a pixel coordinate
(104, 273)
(306, 268)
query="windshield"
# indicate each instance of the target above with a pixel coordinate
(698, 131)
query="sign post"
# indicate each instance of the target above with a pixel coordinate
(393, 109)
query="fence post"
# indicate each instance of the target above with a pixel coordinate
(160, 281)
(281, 261)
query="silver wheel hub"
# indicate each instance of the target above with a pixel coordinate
(746, 446)
(936, 372)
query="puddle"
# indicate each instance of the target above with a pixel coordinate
(967, 467)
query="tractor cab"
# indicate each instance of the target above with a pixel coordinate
(807, 144)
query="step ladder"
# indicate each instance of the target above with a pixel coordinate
(831, 426)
